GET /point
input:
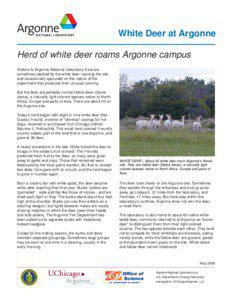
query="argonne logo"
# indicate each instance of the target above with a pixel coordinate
(68, 22)
(113, 275)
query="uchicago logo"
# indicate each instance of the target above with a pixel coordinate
(68, 22)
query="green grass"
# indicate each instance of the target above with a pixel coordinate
(166, 143)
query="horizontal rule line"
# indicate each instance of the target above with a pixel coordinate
(119, 267)
(110, 44)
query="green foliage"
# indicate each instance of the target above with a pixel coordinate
(166, 143)
(208, 124)
(190, 97)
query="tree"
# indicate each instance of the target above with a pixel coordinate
(190, 97)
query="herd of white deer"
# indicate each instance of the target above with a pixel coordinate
(152, 124)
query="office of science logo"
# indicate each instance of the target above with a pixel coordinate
(120, 277)
(29, 277)
(113, 275)
(67, 22)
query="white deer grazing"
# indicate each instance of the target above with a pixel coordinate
(178, 124)
(158, 123)
(145, 123)
(168, 122)
(197, 124)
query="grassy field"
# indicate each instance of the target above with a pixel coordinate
(180, 142)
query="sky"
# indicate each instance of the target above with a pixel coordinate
(136, 74)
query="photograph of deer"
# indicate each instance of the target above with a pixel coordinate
(164, 112)
(177, 124)
(151, 124)
(145, 123)
(168, 122)
(197, 124)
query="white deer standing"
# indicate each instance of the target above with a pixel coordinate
(145, 123)
(197, 124)
(158, 123)
(179, 124)
(168, 122)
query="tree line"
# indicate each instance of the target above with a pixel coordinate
(191, 97)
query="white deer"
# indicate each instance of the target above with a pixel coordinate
(168, 122)
(178, 124)
(197, 124)
(145, 123)
(158, 123)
